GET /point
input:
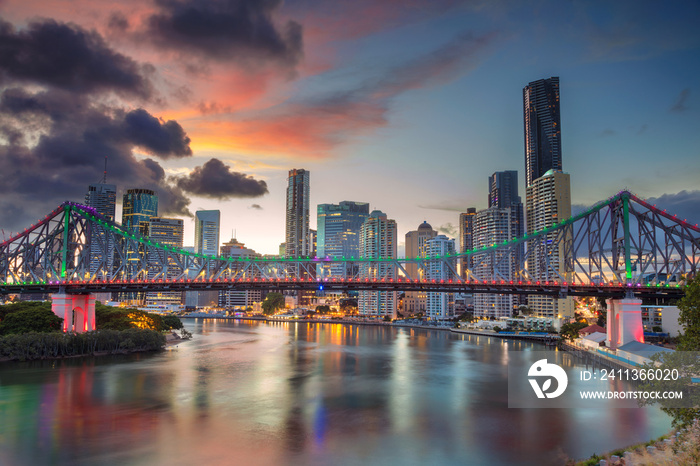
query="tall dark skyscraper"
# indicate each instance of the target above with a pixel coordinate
(542, 128)
(503, 192)
(297, 224)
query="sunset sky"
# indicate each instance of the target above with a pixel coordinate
(408, 105)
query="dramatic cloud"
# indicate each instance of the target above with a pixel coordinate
(55, 143)
(685, 205)
(681, 103)
(67, 57)
(216, 180)
(164, 139)
(242, 30)
(315, 126)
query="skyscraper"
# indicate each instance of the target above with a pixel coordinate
(297, 221)
(206, 232)
(415, 301)
(206, 241)
(138, 206)
(103, 198)
(439, 306)
(549, 203)
(466, 240)
(377, 239)
(492, 226)
(503, 193)
(168, 232)
(338, 234)
(542, 128)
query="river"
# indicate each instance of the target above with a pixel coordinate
(256, 393)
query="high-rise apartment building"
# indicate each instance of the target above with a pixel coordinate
(168, 232)
(503, 193)
(549, 203)
(466, 240)
(492, 226)
(103, 198)
(415, 301)
(377, 239)
(439, 306)
(238, 299)
(297, 214)
(542, 128)
(338, 234)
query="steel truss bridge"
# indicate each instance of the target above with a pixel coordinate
(621, 246)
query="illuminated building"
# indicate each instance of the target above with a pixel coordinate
(549, 203)
(377, 240)
(238, 299)
(138, 206)
(466, 240)
(414, 301)
(439, 306)
(168, 232)
(297, 214)
(338, 227)
(493, 226)
(103, 198)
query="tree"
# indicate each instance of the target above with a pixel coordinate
(570, 331)
(31, 320)
(171, 322)
(323, 309)
(689, 317)
(272, 303)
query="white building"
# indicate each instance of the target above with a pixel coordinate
(492, 226)
(377, 240)
(549, 203)
(440, 306)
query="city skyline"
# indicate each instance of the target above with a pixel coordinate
(409, 111)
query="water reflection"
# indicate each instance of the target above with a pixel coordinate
(256, 393)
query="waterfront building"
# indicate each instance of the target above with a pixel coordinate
(238, 299)
(491, 226)
(415, 301)
(206, 241)
(338, 227)
(466, 241)
(548, 203)
(168, 232)
(297, 214)
(542, 128)
(377, 240)
(440, 306)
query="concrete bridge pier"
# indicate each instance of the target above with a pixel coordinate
(624, 321)
(77, 311)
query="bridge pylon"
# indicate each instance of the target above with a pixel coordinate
(77, 311)
(624, 321)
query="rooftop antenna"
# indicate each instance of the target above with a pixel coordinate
(104, 177)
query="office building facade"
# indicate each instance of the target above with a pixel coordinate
(338, 235)
(103, 198)
(377, 239)
(238, 299)
(466, 241)
(168, 232)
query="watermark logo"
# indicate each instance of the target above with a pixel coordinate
(542, 369)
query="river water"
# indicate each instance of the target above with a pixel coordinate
(254, 393)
